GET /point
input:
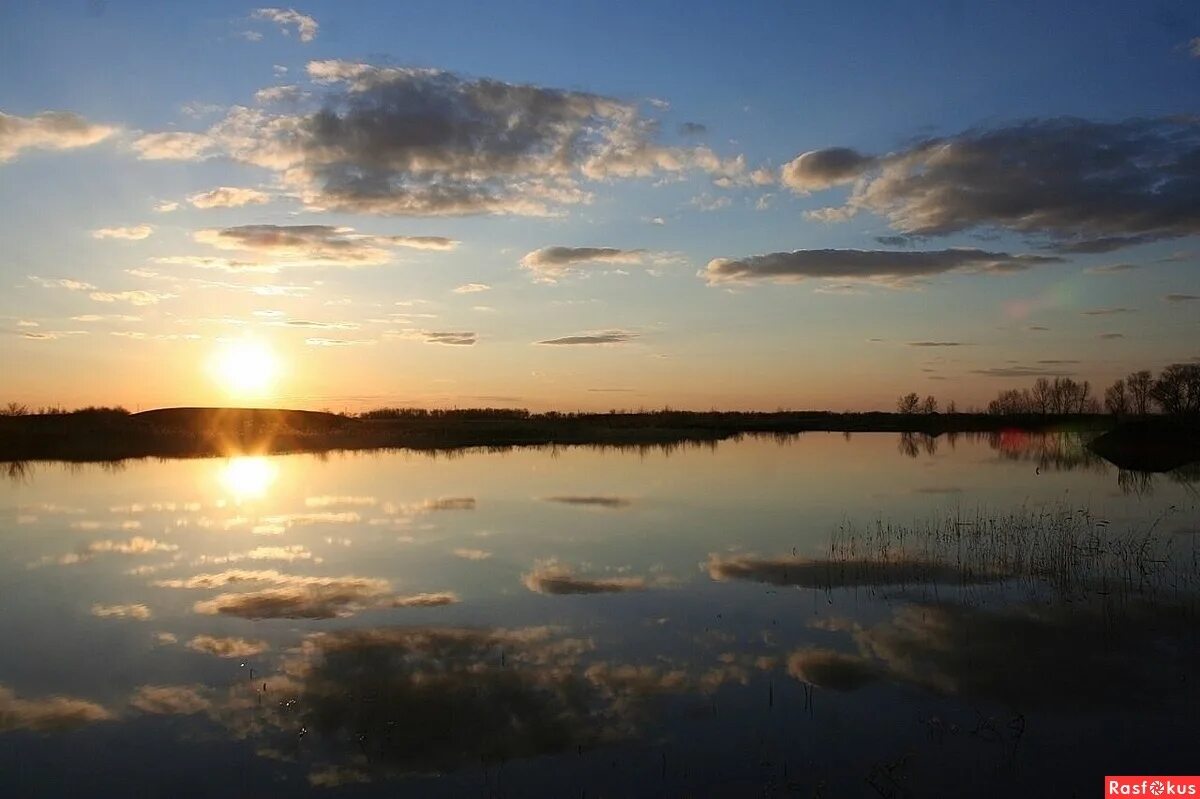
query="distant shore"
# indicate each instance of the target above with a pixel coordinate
(106, 435)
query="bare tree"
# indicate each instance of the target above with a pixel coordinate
(908, 403)
(1139, 385)
(930, 405)
(951, 407)
(14, 409)
(1116, 399)
(1042, 395)
(1177, 389)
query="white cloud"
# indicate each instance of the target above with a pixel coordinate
(133, 233)
(228, 197)
(287, 18)
(49, 130)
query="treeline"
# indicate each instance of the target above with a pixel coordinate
(1175, 392)
(18, 409)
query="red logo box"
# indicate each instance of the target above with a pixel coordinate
(1157, 785)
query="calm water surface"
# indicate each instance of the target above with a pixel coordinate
(827, 616)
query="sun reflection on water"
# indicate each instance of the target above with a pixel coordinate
(248, 477)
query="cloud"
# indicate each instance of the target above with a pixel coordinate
(47, 714)
(1181, 297)
(454, 339)
(593, 501)
(894, 268)
(816, 170)
(424, 142)
(288, 18)
(299, 596)
(827, 574)
(281, 246)
(471, 554)
(1021, 371)
(1110, 336)
(227, 647)
(279, 94)
(228, 197)
(1111, 269)
(707, 202)
(49, 130)
(602, 337)
(174, 146)
(135, 233)
(551, 263)
(692, 129)
(170, 700)
(1194, 47)
(166, 206)
(552, 577)
(62, 283)
(1107, 311)
(937, 344)
(836, 671)
(472, 288)
(136, 297)
(139, 612)
(1085, 186)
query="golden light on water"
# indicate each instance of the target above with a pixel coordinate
(248, 477)
(245, 367)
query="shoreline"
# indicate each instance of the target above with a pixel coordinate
(214, 432)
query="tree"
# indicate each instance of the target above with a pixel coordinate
(930, 405)
(1116, 399)
(14, 409)
(951, 407)
(1177, 389)
(908, 403)
(1138, 385)
(1042, 395)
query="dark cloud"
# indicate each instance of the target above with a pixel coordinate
(413, 141)
(1181, 297)
(552, 577)
(315, 245)
(594, 501)
(938, 344)
(880, 266)
(692, 129)
(458, 339)
(1021, 371)
(604, 337)
(1107, 311)
(1111, 335)
(822, 169)
(825, 574)
(1086, 186)
(49, 130)
(836, 671)
(1111, 269)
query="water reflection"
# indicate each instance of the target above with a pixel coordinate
(810, 615)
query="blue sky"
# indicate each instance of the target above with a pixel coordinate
(646, 317)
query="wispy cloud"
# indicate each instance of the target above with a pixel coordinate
(49, 130)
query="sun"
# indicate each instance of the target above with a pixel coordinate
(245, 367)
(248, 477)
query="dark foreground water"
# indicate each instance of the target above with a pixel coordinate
(822, 616)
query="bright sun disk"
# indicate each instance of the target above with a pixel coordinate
(246, 367)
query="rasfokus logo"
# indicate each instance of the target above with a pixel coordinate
(1151, 786)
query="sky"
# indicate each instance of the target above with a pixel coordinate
(593, 205)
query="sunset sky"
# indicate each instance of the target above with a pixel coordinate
(593, 205)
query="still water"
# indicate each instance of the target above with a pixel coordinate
(875, 615)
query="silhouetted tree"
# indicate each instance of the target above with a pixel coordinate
(951, 407)
(1177, 389)
(930, 405)
(1043, 394)
(1116, 399)
(908, 403)
(1138, 385)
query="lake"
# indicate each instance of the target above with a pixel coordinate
(815, 615)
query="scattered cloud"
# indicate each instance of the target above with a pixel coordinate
(228, 197)
(170, 700)
(134, 233)
(1021, 371)
(339, 342)
(1181, 297)
(601, 337)
(165, 206)
(826, 574)
(471, 554)
(174, 146)
(1110, 336)
(593, 501)
(1112, 269)
(49, 130)
(892, 268)
(937, 344)
(289, 19)
(552, 263)
(136, 297)
(692, 129)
